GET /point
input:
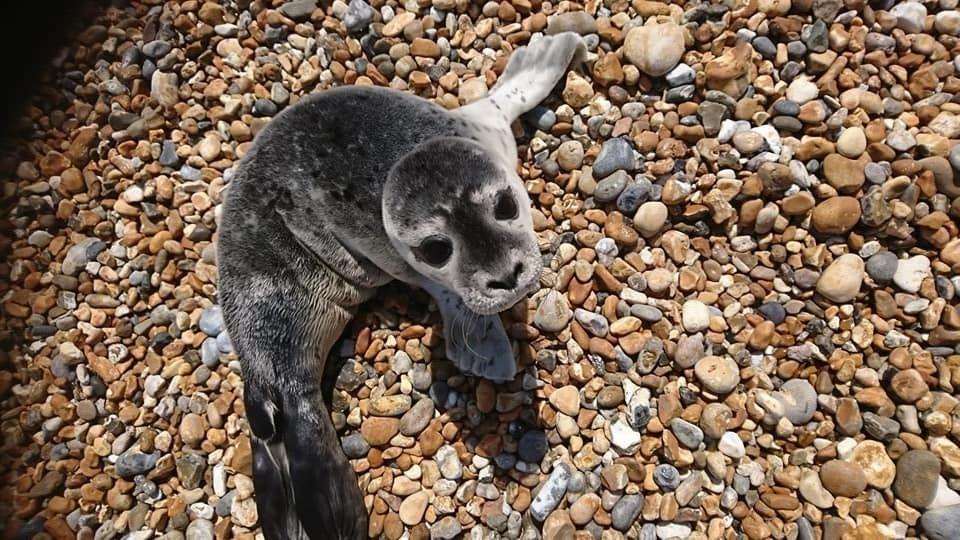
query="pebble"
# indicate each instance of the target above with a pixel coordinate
(554, 312)
(696, 316)
(918, 474)
(626, 512)
(718, 374)
(882, 266)
(615, 155)
(731, 445)
(551, 493)
(841, 281)
(842, 478)
(654, 48)
(650, 218)
(911, 272)
(941, 523)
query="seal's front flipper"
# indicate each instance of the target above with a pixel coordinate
(476, 344)
(532, 73)
(534, 70)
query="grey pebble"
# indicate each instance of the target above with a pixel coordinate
(211, 321)
(626, 511)
(773, 311)
(882, 266)
(609, 188)
(533, 446)
(551, 492)
(941, 523)
(354, 446)
(666, 476)
(134, 463)
(358, 17)
(615, 155)
(688, 434)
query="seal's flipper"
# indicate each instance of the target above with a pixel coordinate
(476, 344)
(532, 73)
(282, 324)
(534, 70)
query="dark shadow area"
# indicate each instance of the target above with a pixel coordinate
(33, 35)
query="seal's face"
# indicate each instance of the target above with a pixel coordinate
(457, 217)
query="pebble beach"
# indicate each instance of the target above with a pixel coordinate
(748, 323)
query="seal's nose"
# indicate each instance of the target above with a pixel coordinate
(508, 282)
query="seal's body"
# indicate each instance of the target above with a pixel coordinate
(341, 193)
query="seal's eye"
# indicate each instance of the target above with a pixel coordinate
(434, 250)
(506, 207)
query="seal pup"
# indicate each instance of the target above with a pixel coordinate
(341, 193)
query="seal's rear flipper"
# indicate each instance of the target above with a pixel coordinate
(283, 331)
(534, 70)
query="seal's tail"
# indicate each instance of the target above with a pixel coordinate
(305, 486)
(534, 70)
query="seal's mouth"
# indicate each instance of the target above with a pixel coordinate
(488, 301)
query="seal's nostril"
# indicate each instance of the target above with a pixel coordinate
(509, 282)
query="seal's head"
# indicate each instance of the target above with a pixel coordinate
(461, 219)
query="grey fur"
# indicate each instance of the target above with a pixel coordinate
(334, 200)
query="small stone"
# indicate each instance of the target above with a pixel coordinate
(615, 155)
(609, 188)
(413, 507)
(211, 321)
(688, 434)
(554, 312)
(533, 446)
(918, 474)
(417, 418)
(354, 446)
(718, 374)
(909, 386)
(447, 528)
(840, 282)
(813, 491)
(358, 17)
(798, 399)
(449, 463)
(910, 16)
(731, 445)
(852, 142)
(911, 272)
(566, 400)
(680, 75)
(842, 478)
(192, 429)
(666, 476)
(654, 48)
(941, 523)
(551, 493)
(131, 464)
(570, 155)
(696, 316)
(378, 430)
(626, 512)
(836, 215)
(802, 90)
(650, 218)
(875, 463)
(882, 266)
